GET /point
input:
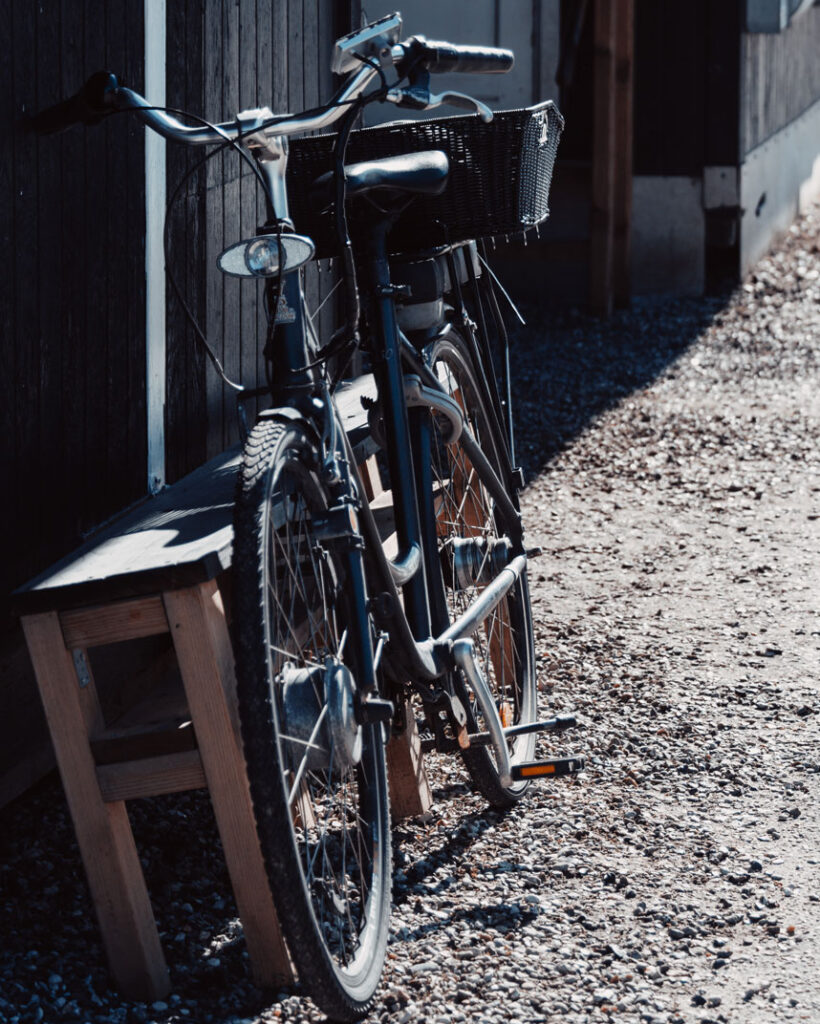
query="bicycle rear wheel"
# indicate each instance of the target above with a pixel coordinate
(317, 779)
(474, 537)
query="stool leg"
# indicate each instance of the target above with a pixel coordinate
(203, 647)
(103, 831)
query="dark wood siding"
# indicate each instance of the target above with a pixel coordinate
(224, 56)
(72, 226)
(780, 78)
(72, 300)
(670, 62)
(686, 86)
(72, 297)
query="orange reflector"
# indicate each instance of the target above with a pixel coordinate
(538, 769)
(505, 714)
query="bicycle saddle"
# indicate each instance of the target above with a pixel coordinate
(420, 173)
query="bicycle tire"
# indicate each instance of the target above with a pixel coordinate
(325, 837)
(464, 511)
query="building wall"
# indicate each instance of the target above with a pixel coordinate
(225, 56)
(72, 235)
(73, 291)
(779, 130)
(779, 78)
(72, 414)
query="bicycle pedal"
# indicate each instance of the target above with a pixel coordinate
(541, 769)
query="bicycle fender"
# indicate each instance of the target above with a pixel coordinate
(287, 414)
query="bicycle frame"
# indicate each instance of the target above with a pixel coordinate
(421, 647)
(416, 653)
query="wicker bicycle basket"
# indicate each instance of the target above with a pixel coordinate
(498, 184)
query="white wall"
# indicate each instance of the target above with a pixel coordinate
(778, 179)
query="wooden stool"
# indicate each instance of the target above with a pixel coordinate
(152, 572)
(158, 570)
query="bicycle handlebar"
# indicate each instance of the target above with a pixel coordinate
(102, 95)
(88, 106)
(438, 56)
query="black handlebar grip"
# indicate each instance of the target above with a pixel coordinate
(439, 57)
(88, 106)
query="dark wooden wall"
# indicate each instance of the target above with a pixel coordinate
(686, 86)
(780, 78)
(224, 56)
(72, 294)
(72, 222)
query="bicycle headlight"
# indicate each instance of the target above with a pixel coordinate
(266, 256)
(262, 256)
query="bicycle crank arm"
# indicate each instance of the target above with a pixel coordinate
(557, 724)
(464, 657)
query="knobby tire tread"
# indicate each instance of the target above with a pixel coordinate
(266, 443)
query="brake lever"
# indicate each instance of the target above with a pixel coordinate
(419, 99)
(461, 99)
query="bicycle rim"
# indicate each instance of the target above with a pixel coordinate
(473, 539)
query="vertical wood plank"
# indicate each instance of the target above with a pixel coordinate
(48, 457)
(214, 282)
(603, 158)
(311, 98)
(234, 290)
(251, 290)
(116, 383)
(622, 187)
(280, 56)
(94, 353)
(295, 45)
(177, 384)
(197, 268)
(264, 75)
(205, 656)
(10, 457)
(334, 21)
(26, 360)
(103, 832)
(72, 313)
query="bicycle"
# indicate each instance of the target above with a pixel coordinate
(350, 597)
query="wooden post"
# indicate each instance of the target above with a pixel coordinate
(410, 792)
(203, 646)
(103, 831)
(603, 158)
(624, 72)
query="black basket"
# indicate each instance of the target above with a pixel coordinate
(498, 184)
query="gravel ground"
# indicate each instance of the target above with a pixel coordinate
(675, 469)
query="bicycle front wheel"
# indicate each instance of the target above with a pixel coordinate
(474, 538)
(317, 778)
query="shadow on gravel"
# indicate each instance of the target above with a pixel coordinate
(503, 918)
(408, 877)
(53, 965)
(569, 367)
